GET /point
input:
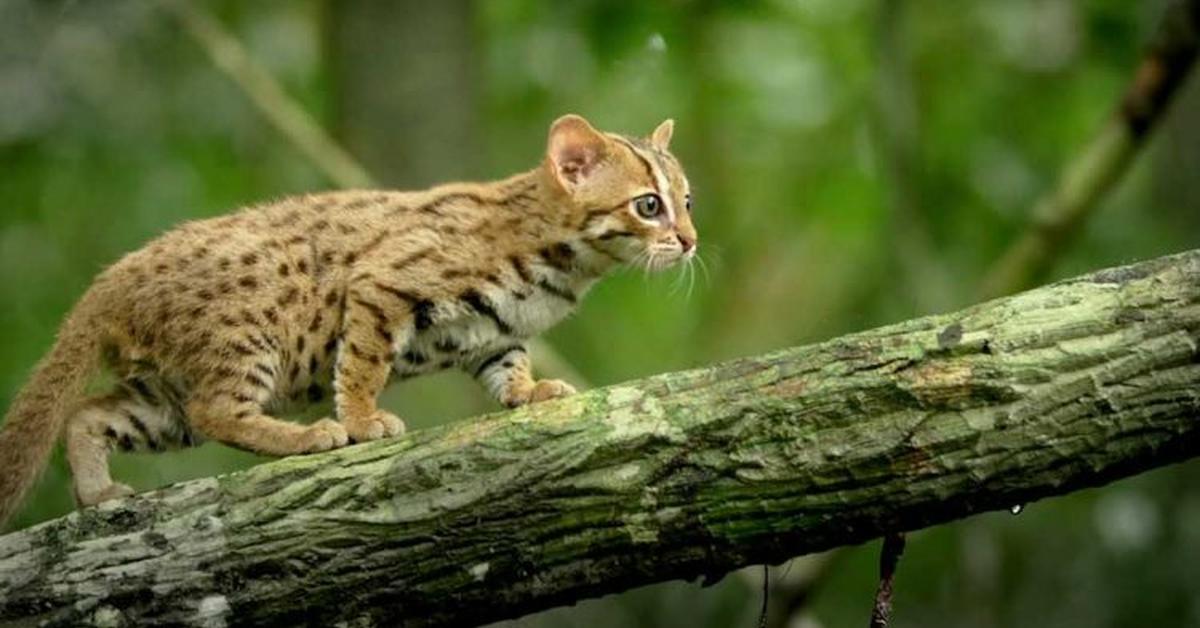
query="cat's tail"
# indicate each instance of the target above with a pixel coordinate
(36, 416)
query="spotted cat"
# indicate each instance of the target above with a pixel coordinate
(219, 323)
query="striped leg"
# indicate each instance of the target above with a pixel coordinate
(508, 376)
(119, 421)
(364, 362)
(228, 407)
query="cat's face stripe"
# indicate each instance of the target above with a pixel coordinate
(658, 183)
(645, 161)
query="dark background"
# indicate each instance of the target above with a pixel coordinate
(854, 163)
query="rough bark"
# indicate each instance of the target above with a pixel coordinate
(682, 475)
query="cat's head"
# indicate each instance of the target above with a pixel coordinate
(628, 196)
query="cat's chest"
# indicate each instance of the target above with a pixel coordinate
(536, 309)
(479, 326)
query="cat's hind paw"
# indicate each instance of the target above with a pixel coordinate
(116, 490)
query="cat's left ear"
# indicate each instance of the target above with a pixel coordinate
(661, 137)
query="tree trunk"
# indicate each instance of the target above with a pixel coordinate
(677, 476)
(406, 88)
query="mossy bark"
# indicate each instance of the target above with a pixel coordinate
(682, 475)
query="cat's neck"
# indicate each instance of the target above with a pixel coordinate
(548, 213)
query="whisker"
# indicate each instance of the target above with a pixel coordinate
(703, 269)
(680, 279)
(714, 255)
(637, 259)
(691, 276)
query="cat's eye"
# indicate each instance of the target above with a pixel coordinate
(648, 206)
(687, 203)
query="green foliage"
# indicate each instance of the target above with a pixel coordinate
(114, 126)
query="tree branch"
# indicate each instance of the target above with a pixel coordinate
(681, 475)
(1086, 180)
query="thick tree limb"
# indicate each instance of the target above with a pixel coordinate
(677, 476)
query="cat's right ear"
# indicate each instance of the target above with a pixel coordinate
(574, 150)
(661, 137)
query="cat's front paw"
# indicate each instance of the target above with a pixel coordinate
(377, 425)
(541, 390)
(324, 435)
(550, 389)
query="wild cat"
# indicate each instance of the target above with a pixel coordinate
(218, 323)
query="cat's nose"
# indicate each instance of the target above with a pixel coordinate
(686, 242)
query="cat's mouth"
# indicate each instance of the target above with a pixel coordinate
(658, 258)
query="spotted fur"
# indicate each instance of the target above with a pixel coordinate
(219, 324)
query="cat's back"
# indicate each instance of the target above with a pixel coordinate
(243, 244)
(265, 268)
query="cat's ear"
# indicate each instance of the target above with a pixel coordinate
(574, 149)
(661, 137)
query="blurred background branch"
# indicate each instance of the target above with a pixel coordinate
(923, 274)
(1086, 182)
(405, 83)
(270, 99)
(1091, 174)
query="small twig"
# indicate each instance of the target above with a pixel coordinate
(1089, 177)
(766, 597)
(792, 589)
(299, 128)
(889, 556)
